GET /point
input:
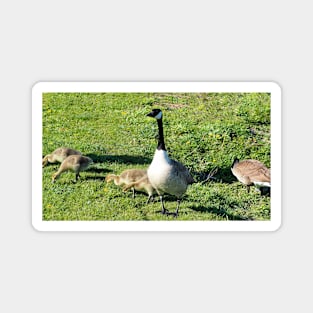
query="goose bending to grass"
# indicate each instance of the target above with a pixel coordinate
(127, 177)
(75, 163)
(142, 184)
(252, 172)
(167, 175)
(59, 155)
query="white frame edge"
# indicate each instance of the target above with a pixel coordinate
(42, 87)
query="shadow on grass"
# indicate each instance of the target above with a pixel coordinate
(97, 170)
(95, 177)
(94, 173)
(127, 159)
(220, 212)
(217, 206)
(223, 175)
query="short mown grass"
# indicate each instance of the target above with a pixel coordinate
(203, 131)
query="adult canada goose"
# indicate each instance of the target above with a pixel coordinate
(59, 155)
(127, 177)
(142, 184)
(252, 172)
(75, 163)
(167, 175)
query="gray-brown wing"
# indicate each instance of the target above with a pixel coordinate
(252, 170)
(261, 174)
(182, 171)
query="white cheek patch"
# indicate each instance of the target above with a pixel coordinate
(262, 184)
(158, 116)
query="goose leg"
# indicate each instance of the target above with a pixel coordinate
(178, 203)
(164, 211)
(265, 191)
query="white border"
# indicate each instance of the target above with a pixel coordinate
(204, 87)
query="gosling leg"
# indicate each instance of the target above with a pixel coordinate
(76, 177)
(149, 198)
(133, 189)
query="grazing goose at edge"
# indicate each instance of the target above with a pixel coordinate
(75, 163)
(142, 184)
(127, 177)
(252, 172)
(59, 155)
(167, 175)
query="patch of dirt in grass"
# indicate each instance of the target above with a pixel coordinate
(173, 106)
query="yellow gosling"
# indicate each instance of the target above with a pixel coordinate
(142, 184)
(74, 163)
(59, 155)
(127, 177)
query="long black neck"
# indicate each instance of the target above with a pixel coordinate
(161, 143)
(234, 162)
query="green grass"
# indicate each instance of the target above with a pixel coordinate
(203, 131)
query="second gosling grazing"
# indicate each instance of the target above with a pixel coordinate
(59, 155)
(252, 172)
(74, 163)
(167, 175)
(127, 177)
(142, 184)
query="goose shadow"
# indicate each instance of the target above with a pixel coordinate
(94, 177)
(97, 170)
(233, 216)
(126, 159)
(223, 175)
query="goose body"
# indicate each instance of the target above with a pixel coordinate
(252, 172)
(74, 163)
(165, 174)
(59, 155)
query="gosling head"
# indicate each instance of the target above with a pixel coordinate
(54, 177)
(156, 113)
(109, 178)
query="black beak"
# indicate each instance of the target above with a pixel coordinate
(150, 114)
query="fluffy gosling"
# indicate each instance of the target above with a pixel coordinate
(127, 177)
(142, 184)
(59, 155)
(75, 163)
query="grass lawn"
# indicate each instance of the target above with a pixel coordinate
(203, 131)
